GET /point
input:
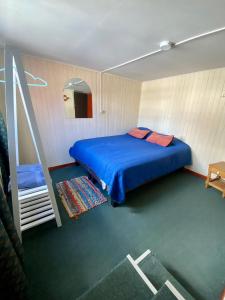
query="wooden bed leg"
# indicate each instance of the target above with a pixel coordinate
(114, 203)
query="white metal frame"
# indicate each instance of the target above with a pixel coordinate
(35, 206)
(135, 264)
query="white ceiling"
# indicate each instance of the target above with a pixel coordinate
(78, 85)
(99, 34)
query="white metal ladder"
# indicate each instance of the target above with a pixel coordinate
(33, 206)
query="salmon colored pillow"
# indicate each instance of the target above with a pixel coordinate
(160, 139)
(138, 133)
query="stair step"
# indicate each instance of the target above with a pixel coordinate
(164, 293)
(37, 222)
(123, 282)
(158, 275)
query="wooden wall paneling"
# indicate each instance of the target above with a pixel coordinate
(121, 98)
(190, 106)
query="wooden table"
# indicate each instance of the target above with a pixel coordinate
(218, 169)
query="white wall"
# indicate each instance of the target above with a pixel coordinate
(191, 107)
(120, 96)
(69, 106)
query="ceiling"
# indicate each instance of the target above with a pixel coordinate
(77, 85)
(99, 34)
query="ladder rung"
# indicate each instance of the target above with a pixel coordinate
(32, 207)
(37, 222)
(37, 216)
(35, 211)
(30, 203)
(33, 190)
(31, 196)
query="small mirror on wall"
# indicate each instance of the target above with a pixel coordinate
(77, 99)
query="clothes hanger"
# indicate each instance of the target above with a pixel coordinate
(42, 84)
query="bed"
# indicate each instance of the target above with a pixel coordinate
(123, 162)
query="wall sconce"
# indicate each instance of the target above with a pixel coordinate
(65, 98)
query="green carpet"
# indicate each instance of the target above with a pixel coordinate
(175, 216)
(123, 282)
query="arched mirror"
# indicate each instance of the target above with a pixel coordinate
(77, 98)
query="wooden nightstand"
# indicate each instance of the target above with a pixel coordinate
(218, 182)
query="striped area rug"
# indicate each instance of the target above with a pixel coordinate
(79, 195)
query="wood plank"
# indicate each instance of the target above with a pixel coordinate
(219, 184)
(38, 222)
(33, 190)
(36, 217)
(34, 211)
(10, 102)
(40, 200)
(32, 207)
(219, 165)
(33, 195)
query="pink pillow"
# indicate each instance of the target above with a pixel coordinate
(160, 139)
(138, 133)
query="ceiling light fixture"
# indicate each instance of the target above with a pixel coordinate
(166, 45)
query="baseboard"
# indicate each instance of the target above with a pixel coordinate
(61, 166)
(195, 173)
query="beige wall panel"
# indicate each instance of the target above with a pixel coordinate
(192, 107)
(120, 97)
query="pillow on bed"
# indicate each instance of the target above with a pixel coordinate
(160, 139)
(138, 133)
(145, 128)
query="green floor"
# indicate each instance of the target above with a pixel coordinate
(175, 216)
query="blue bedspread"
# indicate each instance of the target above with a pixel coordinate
(124, 162)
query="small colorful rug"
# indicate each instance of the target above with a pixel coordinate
(78, 195)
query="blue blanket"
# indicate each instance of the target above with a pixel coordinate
(124, 162)
(30, 176)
